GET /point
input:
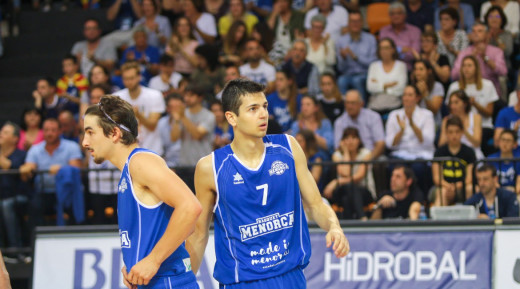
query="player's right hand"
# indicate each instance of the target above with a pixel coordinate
(125, 279)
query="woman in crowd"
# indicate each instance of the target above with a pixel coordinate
(237, 11)
(330, 98)
(311, 117)
(233, 44)
(439, 62)
(511, 10)
(482, 95)
(496, 22)
(321, 52)
(182, 47)
(98, 75)
(354, 185)
(284, 103)
(386, 78)
(158, 27)
(432, 92)
(460, 106)
(31, 132)
(307, 140)
(452, 40)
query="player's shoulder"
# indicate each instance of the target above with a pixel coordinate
(205, 165)
(145, 160)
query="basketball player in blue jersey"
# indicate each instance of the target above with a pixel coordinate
(256, 189)
(156, 210)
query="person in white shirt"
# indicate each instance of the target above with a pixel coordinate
(203, 23)
(167, 81)
(337, 18)
(256, 69)
(410, 133)
(148, 106)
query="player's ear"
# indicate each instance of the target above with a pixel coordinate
(116, 134)
(231, 118)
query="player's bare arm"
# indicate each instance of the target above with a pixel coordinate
(154, 182)
(205, 188)
(321, 213)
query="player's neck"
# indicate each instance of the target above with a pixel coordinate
(120, 155)
(248, 149)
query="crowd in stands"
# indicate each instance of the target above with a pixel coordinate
(438, 80)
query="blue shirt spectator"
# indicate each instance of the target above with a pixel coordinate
(422, 16)
(123, 13)
(467, 16)
(147, 56)
(279, 109)
(508, 118)
(505, 205)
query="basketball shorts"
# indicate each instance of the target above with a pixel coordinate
(294, 279)
(183, 281)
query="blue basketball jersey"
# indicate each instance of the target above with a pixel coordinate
(141, 226)
(260, 226)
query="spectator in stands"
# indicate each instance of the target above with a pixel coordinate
(337, 18)
(452, 40)
(72, 85)
(265, 36)
(209, 75)
(492, 202)
(432, 92)
(98, 76)
(171, 149)
(237, 12)
(354, 185)
(69, 126)
(330, 97)
(406, 36)
(204, 28)
(217, 8)
(182, 47)
(195, 128)
(12, 197)
(511, 10)
(321, 51)
(123, 13)
(157, 27)
(285, 102)
(223, 130)
(403, 201)
(460, 106)
(167, 81)
(260, 8)
(256, 68)
(305, 73)
(366, 121)
(146, 55)
(386, 78)
(452, 180)
(355, 51)
(490, 58)
(287, 25)
(419, 13)
(148, 106)
(410, 132)
(307, 140)
(48, 102)
(496, 21)
(233, 44)
(31, 132)
(481, 92)
(50, 155)
(94, 50)
(232, 72)
(508, 118)
(508, 171)
(438, 61)
(464, 10)
(311, 117)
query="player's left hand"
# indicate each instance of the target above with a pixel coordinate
(142, 272)
(341, 246)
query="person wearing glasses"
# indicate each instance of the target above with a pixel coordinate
(148, 193)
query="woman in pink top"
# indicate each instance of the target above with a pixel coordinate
(31, 132)
(182, 47)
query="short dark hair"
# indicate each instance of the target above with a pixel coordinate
(487, 167)
(16, 128)
(431, 34)
(51, 81)
(165, 59)
(52, 119)
(103, 86)
(352, 132)
(454, 121)
(502, 15)
(72, 57)
(235, 90)
(395, 55)
(408, 172)
(113, 111)
(452, 13)
(173, 96)
(511, 132)
(92, 19)
(210, 53)
(27, 110)
(195, 89)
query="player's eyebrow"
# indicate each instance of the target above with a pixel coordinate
(88, 128)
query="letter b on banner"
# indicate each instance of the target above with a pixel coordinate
(79, 260)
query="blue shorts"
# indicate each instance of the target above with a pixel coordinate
(183, 281)
(293, 279)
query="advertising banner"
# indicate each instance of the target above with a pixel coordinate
(507, 260)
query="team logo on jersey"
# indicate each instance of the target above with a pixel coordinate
(267, 225)
(122, 186)
(237, 179)
(278, 168)
(125, 240)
